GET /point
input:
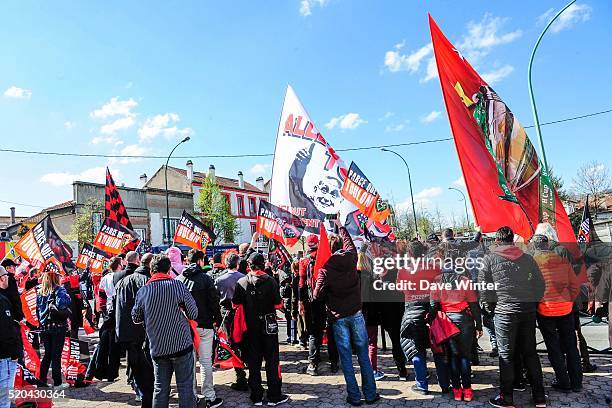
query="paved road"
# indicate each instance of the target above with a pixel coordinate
(327, 390)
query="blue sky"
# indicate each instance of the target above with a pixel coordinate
(135, 77)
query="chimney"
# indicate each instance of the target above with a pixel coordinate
(12, 215)
(143, 179)
(240, 180)
(260, 183)
(211, 171)
(189, 170)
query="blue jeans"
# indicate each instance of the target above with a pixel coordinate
(352, 330)
(163, 368)
(7, 379)
(419, 362)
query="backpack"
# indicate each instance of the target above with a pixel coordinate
(255, 297)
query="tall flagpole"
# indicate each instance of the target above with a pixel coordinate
(532, 97)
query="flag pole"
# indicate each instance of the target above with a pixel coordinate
(531, 96)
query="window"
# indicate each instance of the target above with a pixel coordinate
(173, 225)
(252, 206)
(240, 200)
(253, 228)
(142, 233)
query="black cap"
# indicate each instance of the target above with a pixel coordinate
(257, 259)
(7, 263)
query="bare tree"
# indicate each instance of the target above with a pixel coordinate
(593, 179)
(438, 218)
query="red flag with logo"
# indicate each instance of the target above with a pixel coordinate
(506, 182)
(323, 253)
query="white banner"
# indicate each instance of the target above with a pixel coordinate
(307, 174)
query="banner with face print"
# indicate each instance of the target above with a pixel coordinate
(308, 175)
(114, 238)
(193, 233)
(92, 257)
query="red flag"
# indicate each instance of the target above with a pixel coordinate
(506, 181)
(323, 253)
(87, 325)
(225, 356)
(31, 360)
(28, 304)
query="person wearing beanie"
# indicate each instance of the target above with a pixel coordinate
(259, 295)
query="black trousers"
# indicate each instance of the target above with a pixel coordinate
(391, 321)
(264, 347)
(558, 333)
(315, 315)
(141, 366)
(53, 340)
(516, 335)
(106, 359)
(582, 343)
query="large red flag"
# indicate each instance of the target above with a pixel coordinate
(506, 181)
(323, 253)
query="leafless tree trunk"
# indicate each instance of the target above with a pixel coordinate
(593, 179)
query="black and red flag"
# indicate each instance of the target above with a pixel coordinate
(114, 238)
(586, 232)
(43, 246)
(193, 233)
(278, 224)
(278, 255)
(361, 192)
(113, 204)
(93, 258)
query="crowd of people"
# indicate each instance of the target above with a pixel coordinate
(164, 314)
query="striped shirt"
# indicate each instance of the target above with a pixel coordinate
(162, 306)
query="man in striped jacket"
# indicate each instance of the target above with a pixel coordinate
(164, 305)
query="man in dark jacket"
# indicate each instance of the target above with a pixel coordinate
(338, 286)
(258, 294)
(519, 286)
(12, 294)
(9, 342)
(202, 288)
(145, 265)
(130, 335)
(314, 312)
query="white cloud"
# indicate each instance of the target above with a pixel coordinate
(423, 198)
(129, 150)
(95, 174)
(307, 5)
(115, 107)
(162, 125)
(460, 182)
(431, 71)
(431, 116)
(498, 74)
(260, 169)
(386, 116)
(483, 36)
(575, 13)
(18, 93)
(103, 139)
(117, 125)
(397, 127)
(348, 121)
(395, 61)
(69, 124)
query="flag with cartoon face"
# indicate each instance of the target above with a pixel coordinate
(308, 174)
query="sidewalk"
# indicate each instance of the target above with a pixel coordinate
(327, 390)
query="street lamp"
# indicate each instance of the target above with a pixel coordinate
(416, 228)
(467, 218)
(167, 195)
(533, 103)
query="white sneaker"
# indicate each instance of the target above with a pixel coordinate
(62, 386)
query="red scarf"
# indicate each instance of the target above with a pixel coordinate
(159, 276)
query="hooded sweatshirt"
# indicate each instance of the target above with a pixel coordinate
(338, 281)
(519, 282)
(174, 254)
(203, 290)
